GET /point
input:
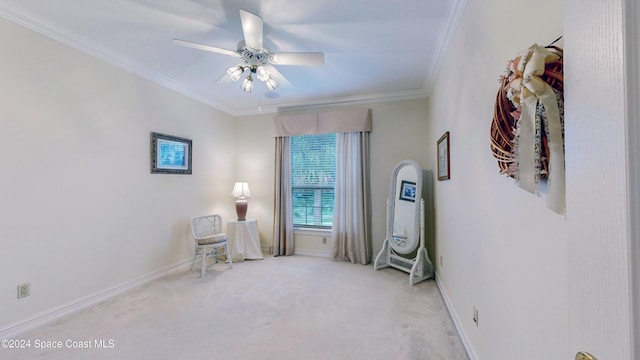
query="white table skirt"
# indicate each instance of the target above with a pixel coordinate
(244, 241)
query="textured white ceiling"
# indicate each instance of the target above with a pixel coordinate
(374, 49)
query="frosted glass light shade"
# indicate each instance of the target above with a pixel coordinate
(263, 74)
(247, 84)
(234, 72)
(271, 84)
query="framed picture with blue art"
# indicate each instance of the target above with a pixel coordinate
(408, 191)
(170, 154)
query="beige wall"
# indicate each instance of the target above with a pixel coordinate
(255, 164)
(399, 132)
(80, 212)
(502, 250)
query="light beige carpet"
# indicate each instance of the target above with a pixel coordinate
(292, 307)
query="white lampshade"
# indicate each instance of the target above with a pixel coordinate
(241, 190)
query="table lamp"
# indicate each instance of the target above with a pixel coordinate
(241, 193)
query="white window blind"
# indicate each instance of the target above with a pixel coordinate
(313, 170)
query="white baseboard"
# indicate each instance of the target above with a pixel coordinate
(456, 321)
(266, 249)
(30, 323)
(313, 252)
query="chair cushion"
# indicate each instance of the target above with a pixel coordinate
(213, 239)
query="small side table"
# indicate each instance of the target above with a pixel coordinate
(244, 241)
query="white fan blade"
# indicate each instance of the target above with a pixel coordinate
(298, 58)
(252, 28)
(206, 47)
(278, 77)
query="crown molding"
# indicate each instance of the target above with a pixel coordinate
(332, 102)
(453, 14)
(21, 16)
(355, 100)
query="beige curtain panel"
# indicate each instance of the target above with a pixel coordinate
(283, 220)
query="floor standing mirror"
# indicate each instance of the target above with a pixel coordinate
(405, 225)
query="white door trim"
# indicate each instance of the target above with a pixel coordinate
(632, 78)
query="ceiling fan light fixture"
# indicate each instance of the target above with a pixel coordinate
(255, 58)
(234, 72)
(247, 84)
(271, 84)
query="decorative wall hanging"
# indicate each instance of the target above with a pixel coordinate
(444, 173)
(527, 131)
(170, 154)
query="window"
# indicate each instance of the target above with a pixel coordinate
(313, 172)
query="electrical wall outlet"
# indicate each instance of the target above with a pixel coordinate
(475, 315)
(324, 240)
(24, 290)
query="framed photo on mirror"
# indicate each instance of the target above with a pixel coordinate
(443, 157)
(408, 191)
(170, 154)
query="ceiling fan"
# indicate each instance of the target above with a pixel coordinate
(255, 58)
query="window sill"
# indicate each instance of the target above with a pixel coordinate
(312, 231)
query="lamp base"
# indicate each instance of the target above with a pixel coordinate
(241, 209)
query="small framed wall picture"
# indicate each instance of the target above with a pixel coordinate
(170, 154)
(444, 171)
